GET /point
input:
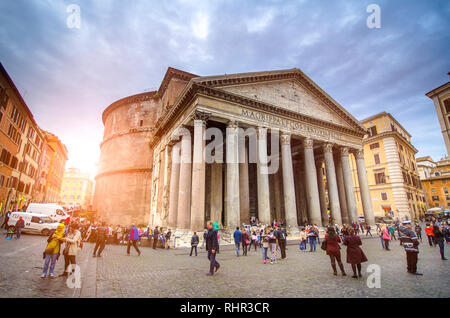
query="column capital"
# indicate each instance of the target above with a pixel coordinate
(261, 132)
(328, 147)
(308, 143)
(199, 115)
(233, 124)
(173, 140)
(344, 151)
(359, 153)
(285, 139)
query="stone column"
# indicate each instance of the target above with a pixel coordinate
(275, 179)
(244, 196)
(263, 178)
(322, 194)
(364, 188)
(198, 174)
(348, 183)
(312, 191)
(341, 189)
(166, 183)
(290, 206)
(216, 192)
(174, 183)
(184, 195)
(232, 184)
(333, 193)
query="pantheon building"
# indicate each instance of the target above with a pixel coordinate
(153, 169)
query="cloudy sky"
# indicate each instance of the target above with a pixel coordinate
(68, 76)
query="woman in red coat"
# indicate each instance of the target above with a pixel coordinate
(355, 254)
(333, 249)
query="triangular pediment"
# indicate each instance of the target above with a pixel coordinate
(289, 94)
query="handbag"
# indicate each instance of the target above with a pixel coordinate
(324, 245)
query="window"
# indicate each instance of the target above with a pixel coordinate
(375, 145)
(376, 158)
(2, 179)
(433, 190)
(447, 105)
(435, 198)
(380, 178)
(372, 131)
(445, 190)
(384, 196)
(3, 98)
(444, 181)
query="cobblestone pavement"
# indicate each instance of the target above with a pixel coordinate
(172, 273)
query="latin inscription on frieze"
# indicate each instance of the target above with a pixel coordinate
(293, 126)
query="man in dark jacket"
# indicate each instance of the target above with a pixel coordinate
(101, 240)
(194, 242)
(212, 245)
(155, 237)
(280, 233)
(410, 243)
(5, 220)
(237, 239)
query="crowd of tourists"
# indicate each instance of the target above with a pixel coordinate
(271, 239)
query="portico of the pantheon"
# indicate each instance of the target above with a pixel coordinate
(317, 136)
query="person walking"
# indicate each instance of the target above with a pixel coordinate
(264, 238)
(439, 237)
(100, 241)
(281, 238)
(20, 224)
(418, 230)
(303, 238)
(410, 243)
(355, 255)
(205, 233)
(237, 235)
(386, 237)
(212, 245)
(167, 240)
(245, 242)
(155, 237)
(272, 246)
(72, 243)
(51, 253)
(254, 240)
(133, 239)
(368, 228)
(333, 250)
(446, 231)
(430, 234)
(194, 242)
(312, 235)
(5, 220)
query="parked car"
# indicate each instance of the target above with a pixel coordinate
(53, 210)
(35, 223)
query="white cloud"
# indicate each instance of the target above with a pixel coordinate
(200, 25)
(260, 23)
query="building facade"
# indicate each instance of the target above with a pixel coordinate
(21, 143)
(441, 101)
(57, 152)
(393, 176)
(152, 167)
(76, 188)
(435, 178)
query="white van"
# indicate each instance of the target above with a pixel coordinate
(53, 210)
(34, 223)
